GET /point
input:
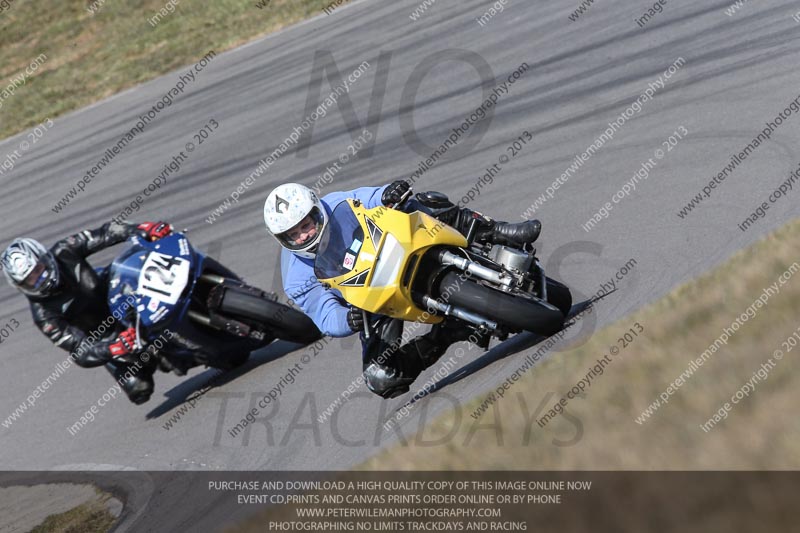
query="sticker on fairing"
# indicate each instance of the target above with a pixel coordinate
(356, 246)
(349, 261)
(159, 314)
(183, 244)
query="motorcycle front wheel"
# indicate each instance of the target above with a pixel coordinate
(286, 323)
(516, 312)
(559, 295)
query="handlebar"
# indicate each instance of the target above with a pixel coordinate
(403, 199)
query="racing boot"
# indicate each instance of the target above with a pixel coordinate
(496, 231)
(513, 234)
(138, 385)
(488, 230)
(395, 377)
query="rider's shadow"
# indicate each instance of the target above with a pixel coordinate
(197, 386)
(516, 344)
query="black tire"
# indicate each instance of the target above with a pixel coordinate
(286, 323)
(559, 295)
(515, 312)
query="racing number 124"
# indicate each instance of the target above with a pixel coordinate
(162, 267)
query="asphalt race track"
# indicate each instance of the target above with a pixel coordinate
(736, 73)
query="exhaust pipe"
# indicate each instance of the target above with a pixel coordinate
(212, 278)
(200, 318)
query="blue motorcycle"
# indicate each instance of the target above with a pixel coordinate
(195, 309)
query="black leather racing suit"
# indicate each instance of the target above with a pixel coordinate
(77, 311)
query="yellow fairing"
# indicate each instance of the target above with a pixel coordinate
(401, 239)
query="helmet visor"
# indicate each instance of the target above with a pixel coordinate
(41, 278)
(305, 233)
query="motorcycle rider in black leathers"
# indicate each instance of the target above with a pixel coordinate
(68, 299)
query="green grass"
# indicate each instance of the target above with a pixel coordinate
(90, 57)
(90, 517)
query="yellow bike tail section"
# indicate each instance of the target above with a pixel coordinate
(372, 257)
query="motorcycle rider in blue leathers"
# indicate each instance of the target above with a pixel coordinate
(297, 218)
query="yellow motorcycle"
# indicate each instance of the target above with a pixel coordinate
(416, 268)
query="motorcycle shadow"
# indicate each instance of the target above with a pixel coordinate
(515, 344)
(196, 386)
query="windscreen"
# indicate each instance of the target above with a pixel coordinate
(340, 244)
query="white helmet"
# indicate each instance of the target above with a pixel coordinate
(286, 207)
(30, 267)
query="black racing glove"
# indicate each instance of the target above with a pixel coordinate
(355, 319)
(394, 192)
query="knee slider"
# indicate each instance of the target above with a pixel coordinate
(386, 382)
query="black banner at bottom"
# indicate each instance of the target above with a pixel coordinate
(243, 502)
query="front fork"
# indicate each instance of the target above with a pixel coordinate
(462, 314)
(502, 279)
(471, 269)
